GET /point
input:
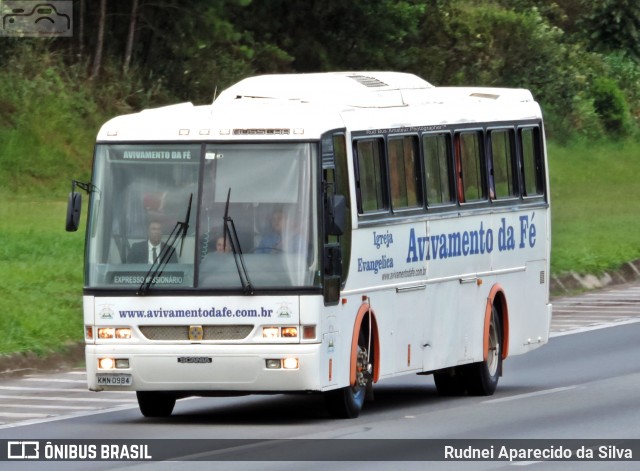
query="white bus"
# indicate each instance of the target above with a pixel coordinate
(320, 232)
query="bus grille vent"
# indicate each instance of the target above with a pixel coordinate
(542, 277)
(370, 82)
(210, 332)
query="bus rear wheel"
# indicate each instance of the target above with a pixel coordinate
(482, 378)
(155, 403)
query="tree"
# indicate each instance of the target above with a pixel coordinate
(322, 35)
(614, 25)
(192, 48)
(97, 58)
(81, 15)
(611, 106)
(130, 37)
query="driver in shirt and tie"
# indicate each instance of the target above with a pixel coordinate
(149, 250)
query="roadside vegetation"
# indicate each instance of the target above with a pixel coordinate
(595, 201)
(581, 64)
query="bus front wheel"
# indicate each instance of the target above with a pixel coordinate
(155, 404)
(347, 402)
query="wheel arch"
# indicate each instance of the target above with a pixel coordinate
(497, 298)
(362, 320)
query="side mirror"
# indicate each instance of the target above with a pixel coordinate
(336, 215)
(74, 205)
(331, 290)
(332, 260)
(332, 274)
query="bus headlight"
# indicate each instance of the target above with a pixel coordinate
(274, 364)
(289, 332)
(111, 363)
(106, 363)
(273, 332)
(120, 333)
(123, 333)
(270, 332)
(106, 332)
(290, 363)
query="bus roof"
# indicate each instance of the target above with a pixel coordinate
(303, 106)
(342, 89)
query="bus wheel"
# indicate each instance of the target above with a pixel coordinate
(450, 382)
(155, 404)
(482, 377)
(347, 402)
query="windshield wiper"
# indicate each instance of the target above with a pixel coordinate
(230, 231)
(179, 231)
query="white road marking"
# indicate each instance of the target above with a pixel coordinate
(528, 395)
(589, 328)
(23, 415)
(56, 406)
(65, 417)
(66, 390)
(44, 379)
(65, 399)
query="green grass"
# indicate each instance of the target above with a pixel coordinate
(48, 124)
(595, 201)
(41, 273)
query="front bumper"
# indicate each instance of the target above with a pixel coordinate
(193, 368)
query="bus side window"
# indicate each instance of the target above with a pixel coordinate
(370, 177)
(438, 169)
(532, 177)
(469, 158)
(403, 172)
(341, 176)
(504, 179)
(458, 164)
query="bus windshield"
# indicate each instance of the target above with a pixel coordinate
(250, 211)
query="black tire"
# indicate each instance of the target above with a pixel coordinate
(347, 402)
(450, 382)
(155, 404)
(482, 378)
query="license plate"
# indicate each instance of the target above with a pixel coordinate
(114, 380)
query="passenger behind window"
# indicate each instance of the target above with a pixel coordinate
(149, 250)
(223, 245)
(282, 237)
